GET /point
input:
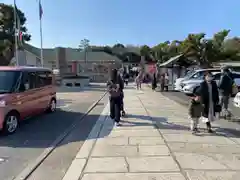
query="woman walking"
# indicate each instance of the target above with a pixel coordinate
(162, 82)
(138, 81)
(154, 82)
(209, 99)
(166, 78)
(115, 91)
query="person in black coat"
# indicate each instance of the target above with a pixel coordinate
(154, 82)
(115, 89)
(225, 87)
(209, 98)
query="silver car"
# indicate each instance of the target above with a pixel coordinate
(189, 86)
(193, 75)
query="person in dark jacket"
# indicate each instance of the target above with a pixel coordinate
(154, 82)
(209, 98)
(114, 86)
(126, 78)
(195, 111)
(162, 82)
(225, 88)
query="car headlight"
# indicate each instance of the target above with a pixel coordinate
(189, 86)
(2, 103)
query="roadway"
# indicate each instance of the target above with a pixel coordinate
(38, 134)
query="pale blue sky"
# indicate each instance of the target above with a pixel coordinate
(66, 22)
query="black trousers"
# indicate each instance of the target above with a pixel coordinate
(115, 107)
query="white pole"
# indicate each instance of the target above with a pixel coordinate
(41, 36)
(15, 33)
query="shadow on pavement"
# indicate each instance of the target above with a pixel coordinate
(162, 123)
(42, 131)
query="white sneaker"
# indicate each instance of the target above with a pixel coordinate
(118, 124)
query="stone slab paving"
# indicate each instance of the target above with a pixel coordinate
(154, 143)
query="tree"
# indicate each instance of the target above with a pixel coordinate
(84, 45)
(161, 51)
(7, 32)
(145, 50)
(118, 49)
(118, 46)
(205, 51)
(192, 47)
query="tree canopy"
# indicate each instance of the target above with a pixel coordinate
(7, 32)
(198, 48)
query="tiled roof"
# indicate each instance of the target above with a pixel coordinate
(71, 54)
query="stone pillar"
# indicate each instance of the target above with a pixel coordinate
(61, 61)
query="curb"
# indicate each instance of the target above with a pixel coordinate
(78, 165)
(24, 175)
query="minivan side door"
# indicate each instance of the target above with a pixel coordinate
(25, 95)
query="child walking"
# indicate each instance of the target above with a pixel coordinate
(195, 112)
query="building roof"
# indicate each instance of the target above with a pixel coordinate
(71, 54)
(171, 61)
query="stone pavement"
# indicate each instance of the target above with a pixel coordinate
(154, 143)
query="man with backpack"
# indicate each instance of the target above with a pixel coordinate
(225, 87)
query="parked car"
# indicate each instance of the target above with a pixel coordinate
(190, 85)
(24, 92)
(192, 75)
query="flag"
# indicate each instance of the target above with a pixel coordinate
(40, 10)
(19, 32)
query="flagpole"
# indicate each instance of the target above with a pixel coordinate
(15, 33)
(41, 42)
(41, 37)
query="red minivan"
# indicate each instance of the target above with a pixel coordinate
(24, 92)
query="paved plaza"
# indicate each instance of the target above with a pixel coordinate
(154, 143)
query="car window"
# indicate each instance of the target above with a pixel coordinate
(8, 81)
(28, 81)
(44, 78)
(189, 74)
(236, 76)
(196, 75)
(214, 71)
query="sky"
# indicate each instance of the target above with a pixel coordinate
(133, 22)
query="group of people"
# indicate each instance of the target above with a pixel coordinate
(164, 81)
(210, 99)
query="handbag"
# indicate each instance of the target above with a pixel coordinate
(234, 89)
(234, 86)
(204, 119)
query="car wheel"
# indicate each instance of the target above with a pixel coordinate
(11, 123)
(52, 106)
